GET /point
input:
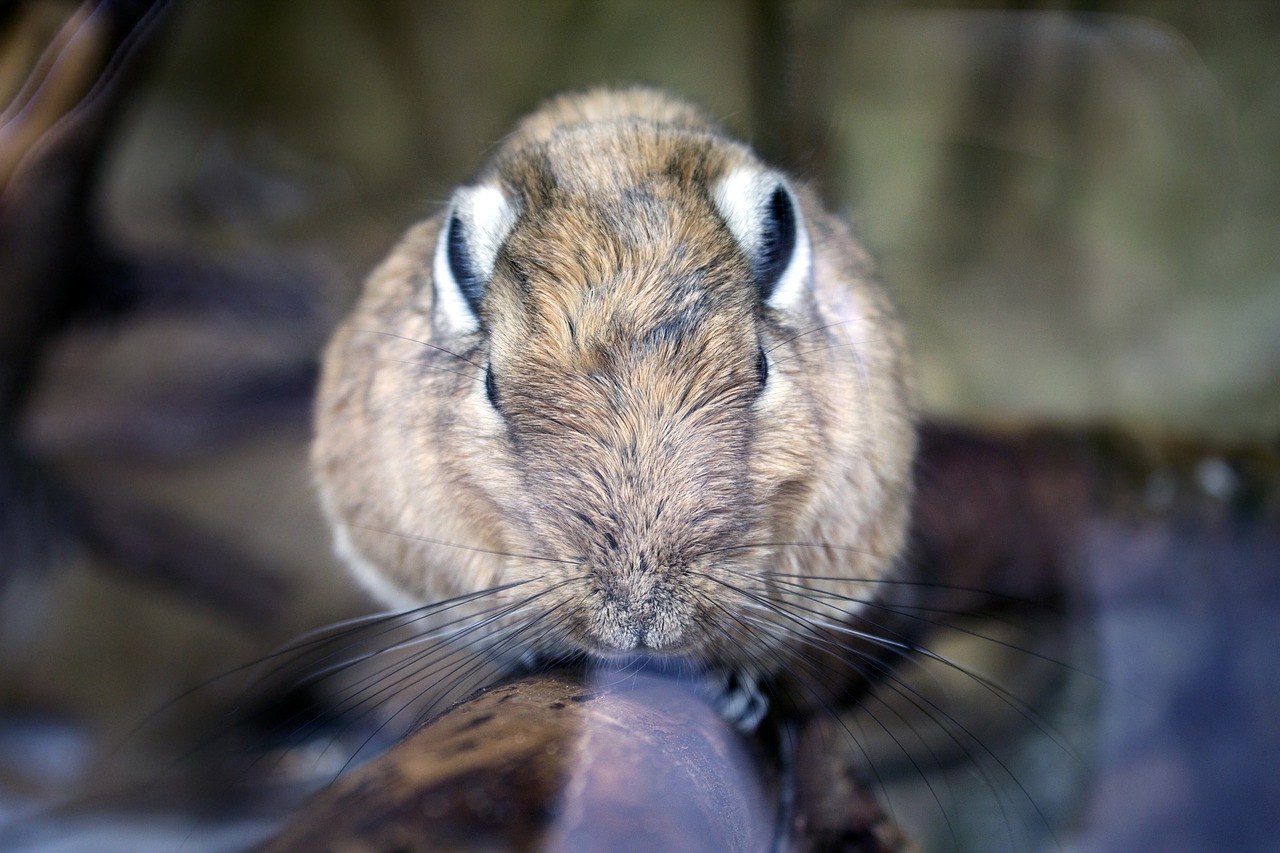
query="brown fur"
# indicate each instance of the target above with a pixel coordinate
(632, 473)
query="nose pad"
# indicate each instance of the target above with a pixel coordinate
(638, 605)
(624, 615)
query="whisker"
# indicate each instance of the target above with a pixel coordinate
(351, 701)
(473, 548)
(440, 635)
(871, 318)
(398, 676)
(745, 546)
(995, 688)
(444, 637)
(318, 636)
(883, 581)
(1004, 694)
(817, 674)
(503, 612)
(904, 610)
(321, 638)
(453, 685)
(426, 344)
(933, 711)
(429, 366)
(745, 621)
(828, 348)
(901, 688)
(349, 634)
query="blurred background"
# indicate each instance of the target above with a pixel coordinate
(1076, 206)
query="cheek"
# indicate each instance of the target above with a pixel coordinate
(475, 411)
(787, 451)
(470, 446)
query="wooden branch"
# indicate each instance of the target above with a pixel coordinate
(553, 763)
(622, 761)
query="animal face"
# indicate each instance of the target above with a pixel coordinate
(627, 312)
(633, 370)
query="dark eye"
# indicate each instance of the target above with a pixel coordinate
(762, 368)
(490, 387)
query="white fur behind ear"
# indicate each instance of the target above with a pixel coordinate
(487, 217)
(742, 197)
(490, 217)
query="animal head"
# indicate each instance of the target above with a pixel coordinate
(632, 368)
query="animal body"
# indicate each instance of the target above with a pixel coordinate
(635, 392)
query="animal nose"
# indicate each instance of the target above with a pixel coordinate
(636, 610)
(642, 635)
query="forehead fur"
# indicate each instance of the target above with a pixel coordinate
(620, 236)
(604, 106)
(606, 140)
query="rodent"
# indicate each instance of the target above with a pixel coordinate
(639, 370)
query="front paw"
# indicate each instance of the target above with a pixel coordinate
(737, 697)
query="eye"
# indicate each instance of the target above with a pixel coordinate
(490, 388)
(762, 368)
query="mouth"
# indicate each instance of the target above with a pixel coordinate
(649, 662)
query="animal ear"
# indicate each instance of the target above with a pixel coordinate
(479, 221)
(762, 213)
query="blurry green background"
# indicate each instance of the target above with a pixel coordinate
(1077, 205)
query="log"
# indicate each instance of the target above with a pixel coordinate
(553, 763)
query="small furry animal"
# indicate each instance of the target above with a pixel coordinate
(639, 387)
